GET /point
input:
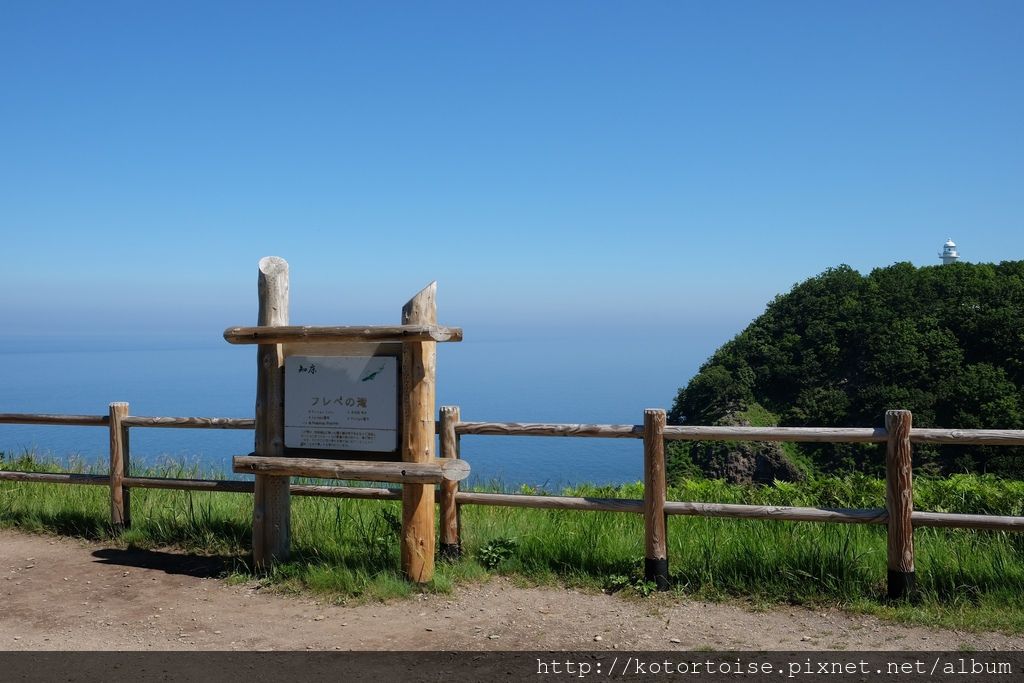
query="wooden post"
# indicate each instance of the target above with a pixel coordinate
(899, 501)
(451, 522)
(271, 516)
(418, 395)
(655, 531)
(120, 496)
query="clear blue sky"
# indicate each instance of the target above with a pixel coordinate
(630, 162)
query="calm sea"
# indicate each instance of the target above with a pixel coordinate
(522, 380)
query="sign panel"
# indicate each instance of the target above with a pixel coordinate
(341, 403)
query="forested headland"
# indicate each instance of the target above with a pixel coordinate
(841, 348)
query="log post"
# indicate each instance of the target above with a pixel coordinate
(451, 522)
(271, 516)
(120, 496)
(655, 528)
(899, 502)
(418, 395)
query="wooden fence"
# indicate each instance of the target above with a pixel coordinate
(898, 514)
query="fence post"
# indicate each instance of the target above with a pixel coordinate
(419, 363)
(120, 497)
(655, 528)
(899, 502)
(271, 510)
(451, 521)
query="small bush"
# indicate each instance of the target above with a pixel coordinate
(496, 551)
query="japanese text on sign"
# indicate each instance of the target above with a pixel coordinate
(344, 403)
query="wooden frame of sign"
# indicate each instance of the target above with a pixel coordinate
(414, 344)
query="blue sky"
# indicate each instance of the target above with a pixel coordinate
(653, 164)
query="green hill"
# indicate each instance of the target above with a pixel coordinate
(841, 348)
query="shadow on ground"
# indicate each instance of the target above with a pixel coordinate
(198, 566)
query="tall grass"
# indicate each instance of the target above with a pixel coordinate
(348, 549)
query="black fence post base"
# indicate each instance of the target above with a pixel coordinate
(451, 551)
(656, 571)
(901, 584)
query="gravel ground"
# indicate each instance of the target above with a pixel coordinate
(68, 594)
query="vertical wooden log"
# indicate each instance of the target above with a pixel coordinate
(271, 516)
(655, 526)
(451, 523)
(120, 497)
(418, 395)
(899, 501)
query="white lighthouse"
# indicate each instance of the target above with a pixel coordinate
(949, 253)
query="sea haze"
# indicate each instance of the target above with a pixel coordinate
(554, 379)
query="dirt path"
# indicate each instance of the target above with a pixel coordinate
(66, 594)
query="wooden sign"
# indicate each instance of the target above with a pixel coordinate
(347, 395)
(341, 403)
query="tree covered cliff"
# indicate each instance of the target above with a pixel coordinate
(841, 348)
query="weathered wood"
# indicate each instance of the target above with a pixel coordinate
(981, 437)
(271, 517)
(949, 520)
(359, 492)
(56, 478)
(977, 437)
(120, 497)
(429, 472)
(677, 433)
(717, 510)
(899, 501)
(342, 333)
(655, 526)
(190, 422)
(174, 484)
(780, 513)
(518, 500)
(451, 527)
(209, 485)
(418, 396)
(42, 419)
(550, 429)
(988, 437)
(803, 434)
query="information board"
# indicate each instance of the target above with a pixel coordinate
(341, 403)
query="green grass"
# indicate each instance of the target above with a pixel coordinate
(759, 416)
(348, 550)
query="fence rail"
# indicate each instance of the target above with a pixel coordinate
(39, 419)
(898, 515)
(190, 422)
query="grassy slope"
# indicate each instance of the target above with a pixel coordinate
(759, 416)
(349, 549)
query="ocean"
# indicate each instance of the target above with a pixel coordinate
(554, 379)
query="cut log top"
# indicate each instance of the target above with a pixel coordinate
(345, 333)
(433, 472)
